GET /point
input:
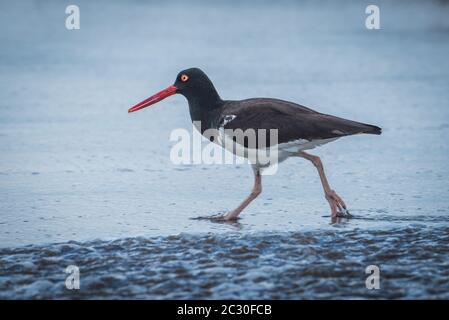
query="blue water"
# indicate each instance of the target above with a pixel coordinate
(74, 166)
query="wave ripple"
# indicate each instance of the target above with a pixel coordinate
(330, 264)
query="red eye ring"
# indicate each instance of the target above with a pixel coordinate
(184, 78)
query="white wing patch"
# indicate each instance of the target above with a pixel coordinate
(221, 130)
(228, 118)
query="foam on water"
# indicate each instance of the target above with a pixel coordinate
(290, 265)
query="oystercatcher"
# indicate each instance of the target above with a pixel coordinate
(299, 128)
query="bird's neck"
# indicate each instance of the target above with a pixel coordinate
(201, 105)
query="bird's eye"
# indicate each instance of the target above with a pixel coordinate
(184, 78)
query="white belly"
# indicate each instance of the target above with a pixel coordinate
(267, 156)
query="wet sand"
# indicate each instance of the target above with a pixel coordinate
(289, 265)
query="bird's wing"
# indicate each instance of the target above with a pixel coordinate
(294, 122)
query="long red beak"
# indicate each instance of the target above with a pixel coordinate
(155, 98)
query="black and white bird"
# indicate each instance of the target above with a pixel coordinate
(298, 128)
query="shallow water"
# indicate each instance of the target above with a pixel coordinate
(74, 166)
(281, 265)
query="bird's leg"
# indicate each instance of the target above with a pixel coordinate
(338, 207)
(257, 189)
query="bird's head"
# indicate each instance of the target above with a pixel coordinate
(192, 83)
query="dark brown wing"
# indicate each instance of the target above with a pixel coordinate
(292, 121)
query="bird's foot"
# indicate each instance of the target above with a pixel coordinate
(230, 216)
(344, 214)
(338, 206)
(221, 217)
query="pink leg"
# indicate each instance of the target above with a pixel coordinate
(338, 207)
(257, 189)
